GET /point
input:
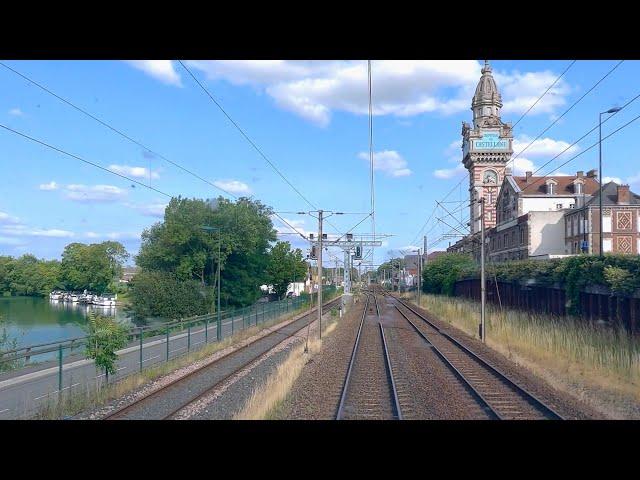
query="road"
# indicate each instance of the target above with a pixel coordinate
(22, 394)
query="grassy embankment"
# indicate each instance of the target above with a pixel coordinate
(93, 398)
(599, 365)
(268, 397)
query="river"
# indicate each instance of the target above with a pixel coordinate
(34, 320)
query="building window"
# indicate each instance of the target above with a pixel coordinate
(578, 188)
(551, 188)
(505, 238)
(559, 206)
(522, 236)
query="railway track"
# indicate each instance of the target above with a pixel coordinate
(166, 402)
(495, 392)
(369, 389)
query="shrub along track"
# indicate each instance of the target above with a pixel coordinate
(167, 401)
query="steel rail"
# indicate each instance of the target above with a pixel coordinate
(531, 398)
(347, 377)
(390, 373)
(475, 393)
(126, 408)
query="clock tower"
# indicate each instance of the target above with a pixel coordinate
(487, 147)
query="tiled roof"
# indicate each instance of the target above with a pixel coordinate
(610, 196)
(565, 185)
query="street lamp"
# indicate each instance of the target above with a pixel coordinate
(611, 110)
(207, 228)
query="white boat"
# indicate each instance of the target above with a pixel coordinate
(74, 298)
(56, 295)
(105, 300)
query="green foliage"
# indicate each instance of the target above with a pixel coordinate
(28, 275)
(440, 274)
(104, 337)
(285, 266)
(164, 295)
(619, 273)
(178, 246)
(93, 267)
(619, 279)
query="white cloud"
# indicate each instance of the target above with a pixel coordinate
(162, 70)
(16, 112)
(402, 88)
(521, 90)
(7, 219)
(135, 172)
(389, 162)
(94, 193)
(543, 147)
(618, 180)
(114, 235)
(447, 173)
(232, 186)
(24, 231)
(150, 209)
(49, 186)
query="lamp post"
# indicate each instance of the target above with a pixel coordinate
(207, 228)
(611, 110)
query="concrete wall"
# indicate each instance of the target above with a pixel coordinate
(543, 204)
(546, 230)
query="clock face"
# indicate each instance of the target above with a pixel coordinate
(490, 177)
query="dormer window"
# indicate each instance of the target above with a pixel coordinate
(551, 187)
(579, 188)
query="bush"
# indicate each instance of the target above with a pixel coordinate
(160, 294)
(440, 274)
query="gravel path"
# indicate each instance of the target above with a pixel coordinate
(427, 388)
(315, 395)
(564, 404)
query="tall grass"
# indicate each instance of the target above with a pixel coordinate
(572, 348)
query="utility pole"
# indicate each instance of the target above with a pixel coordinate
(320, 272)
(419, 277)
(482, 274)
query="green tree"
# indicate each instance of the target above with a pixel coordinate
(178, 245)
(105, 337)
(440, 274)
(163, 295)
(285, 266)
(93, 267)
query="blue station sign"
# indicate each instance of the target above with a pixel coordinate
(490, 141)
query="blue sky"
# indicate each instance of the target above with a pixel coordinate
(310, 119)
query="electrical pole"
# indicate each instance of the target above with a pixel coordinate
(419, 277)
(320, 272)
(482, 274)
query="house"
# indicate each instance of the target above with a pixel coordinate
(620, 222)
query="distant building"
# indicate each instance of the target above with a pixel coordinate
(127, 274)
(620, 223)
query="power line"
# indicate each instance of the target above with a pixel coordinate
(371, 158)
(584, 136)
(251, 142)
(545, 92)
(566, 111)
(114, 129)
(59, 150)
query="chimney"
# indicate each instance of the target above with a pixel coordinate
(593, 173)
(528, 174)
(579, 174)
(623, 194)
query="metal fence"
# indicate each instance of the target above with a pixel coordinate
(46, 377)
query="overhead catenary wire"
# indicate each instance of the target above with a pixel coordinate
(115, 130)
(105, 169)
(565, 112)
